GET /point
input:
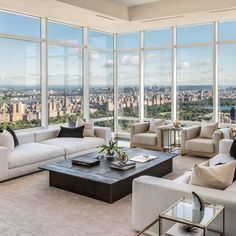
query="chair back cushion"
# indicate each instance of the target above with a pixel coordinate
(154, 123)
(207, 130)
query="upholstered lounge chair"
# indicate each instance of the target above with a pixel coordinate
(193, 144)
(140, 137)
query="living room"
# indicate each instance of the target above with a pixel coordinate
(117, 117)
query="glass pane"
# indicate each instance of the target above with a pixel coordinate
(124, 125)
(128, 41)
(157, 83)
(65, 83)
(157, 38)
(194, 83)
(100, 40)
(105, 123)
(227, 83)
(195, 34)
(128, 84)
(65, 33)
(101, 99)
(227, 30)
(20, 96)
(19, 25)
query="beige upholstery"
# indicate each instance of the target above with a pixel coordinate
(74, 145)
(203, 144)
(31, 153)
(140, 137)
(192, 144)
(145, 138)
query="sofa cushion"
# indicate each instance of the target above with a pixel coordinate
(88, 127)
(30, 153)
(71, 132)
(200, 144)
(154, 123)
(218, 177)
(12, 132)
(207, 129)
(25, 137)
(233, 149)
(220, 158)
(145, 138)
(185, 178)
(6, 140)
(73, 145)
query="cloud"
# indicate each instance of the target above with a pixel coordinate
(183, 65)
(95, 56)
(109, 63)
(129, 60)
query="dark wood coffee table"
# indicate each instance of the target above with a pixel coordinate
(103, 183)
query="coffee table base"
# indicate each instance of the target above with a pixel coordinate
(103, 191)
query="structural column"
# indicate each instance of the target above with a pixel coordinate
(44, 73)
(86, 74)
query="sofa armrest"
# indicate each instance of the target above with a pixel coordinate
(4, 158)
(103, 132)
(189, 133)
(137, 129)
(217, 136)
(151, 196)
(225, 145)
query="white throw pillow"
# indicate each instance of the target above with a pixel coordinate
(154, 123)
(6, 140)
(88, 127)
(217, 177)
(207, 129)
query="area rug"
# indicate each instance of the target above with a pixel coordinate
(28, 206)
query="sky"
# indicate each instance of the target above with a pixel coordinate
(20, 60)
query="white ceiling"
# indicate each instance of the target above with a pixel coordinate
(129, 3)
(111, 16)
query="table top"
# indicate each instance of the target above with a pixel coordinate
(103, 172)
(183, 212)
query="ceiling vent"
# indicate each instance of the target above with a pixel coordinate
(163, 18)
(216, 11)
(105, 17)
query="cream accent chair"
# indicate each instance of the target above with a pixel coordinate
(140, 137)
(192, 144)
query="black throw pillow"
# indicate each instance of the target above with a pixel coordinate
(233, 149)
(11, 131)
(71, 132)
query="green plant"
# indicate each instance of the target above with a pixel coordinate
(110, 149)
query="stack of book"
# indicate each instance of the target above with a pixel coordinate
(126, 166)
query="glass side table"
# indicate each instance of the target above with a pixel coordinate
(175, 131)
(181, 213)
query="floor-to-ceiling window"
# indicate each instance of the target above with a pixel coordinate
(195, 73)
(20, 90)
(65, 72)
(128, 80)
(157, 73)
(101, 79)
(227, 71)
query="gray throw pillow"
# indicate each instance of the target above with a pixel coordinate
(71, 122)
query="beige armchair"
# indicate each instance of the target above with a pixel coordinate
(140, 137)
(192, 144)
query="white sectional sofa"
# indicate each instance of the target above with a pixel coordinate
(42, 147)
(152, 195)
